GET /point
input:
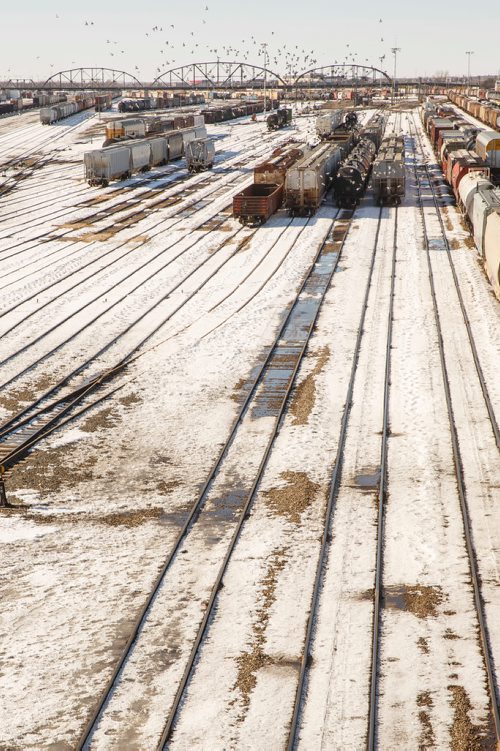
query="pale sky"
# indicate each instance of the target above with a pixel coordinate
(40, 37)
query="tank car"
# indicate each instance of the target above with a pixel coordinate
(279, 119)
(388, 172)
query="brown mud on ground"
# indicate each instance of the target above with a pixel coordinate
(421, 601)
(105, 418)
(249, 663)
(423, 645)
(426, 739)
(465, 736)
(130, 399)
(50, 471)
(305, 393)
(293, 499)
(17, 398)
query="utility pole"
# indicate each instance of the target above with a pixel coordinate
(468, 53)
(394, 51)
(264, 47)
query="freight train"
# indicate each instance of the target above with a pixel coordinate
(354, 171)
(468, 173)
(255, 204)
(140, 127)
(231, 112)
(49, 115)
(122, 160)
(388, 172)
(159, 102)
(308, 180)
(486, 111)
(279, 119)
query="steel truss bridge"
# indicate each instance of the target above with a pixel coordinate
(217, 75)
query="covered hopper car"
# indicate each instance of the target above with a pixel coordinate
(388, 171)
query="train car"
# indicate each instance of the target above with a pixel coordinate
(273, 170)
(353, 173)
(485, 201)
(464, 162)
(469, 185)
(255, 204)
(200, 154)
(6, 108)
(130, 127)
(308, 179)
(492, 251)
(259, 201)
(103, 102)
(488, 148)
(328, 123)
(279, 119)
(103, 165)
(388, 171)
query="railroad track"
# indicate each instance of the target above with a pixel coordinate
(160, 180)
(189, 204)
(336, 480)
(11, 182)
(39, 419)
(425, 184)
(268, 393)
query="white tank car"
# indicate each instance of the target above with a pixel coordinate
(492, 251)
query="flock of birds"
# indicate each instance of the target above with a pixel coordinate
(289, 61)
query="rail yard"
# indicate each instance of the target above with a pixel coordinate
(249, 425)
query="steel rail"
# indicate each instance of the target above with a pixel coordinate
(191, 516)
(449, 254)
(193, 513)
(65, 403)
(382, 497)
(334, 486)
(459, 473)
(169, 725)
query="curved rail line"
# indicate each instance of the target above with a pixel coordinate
(36, 425)
(423, 179)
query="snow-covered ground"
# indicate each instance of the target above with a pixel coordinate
(100, 503)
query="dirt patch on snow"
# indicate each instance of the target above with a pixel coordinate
(423, 645)
(130, 399)
(249, 663)
(50, 471)
(102, 419)
(166, 486)
(465, 736)
(426, 738)
(421, 601)
(305, 393)
(294, 498)
(19, 397)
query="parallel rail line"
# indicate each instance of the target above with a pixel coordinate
(423, 180)
(264, 367)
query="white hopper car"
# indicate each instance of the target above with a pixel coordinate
(308, 179)
(121, 160)
(326, 124)
(200, 154)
